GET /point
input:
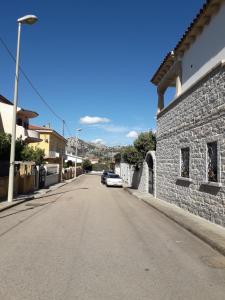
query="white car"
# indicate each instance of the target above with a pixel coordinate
(113, 180)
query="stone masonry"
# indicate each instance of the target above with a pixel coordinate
(193, 119)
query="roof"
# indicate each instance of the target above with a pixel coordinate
(34, 127)
(43, 129)
(203, 17)
(4, 100)
(27, 113)
(21, 111)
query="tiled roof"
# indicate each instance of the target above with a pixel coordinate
(46, 129)
(34, 127)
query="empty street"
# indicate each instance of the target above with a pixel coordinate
(87, 241)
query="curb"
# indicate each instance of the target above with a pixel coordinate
(15, 203)
(210, 233)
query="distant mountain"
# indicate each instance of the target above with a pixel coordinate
(91, 150)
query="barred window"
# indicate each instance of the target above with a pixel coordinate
(212, 161)
(185, 160)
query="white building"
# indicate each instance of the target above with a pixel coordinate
(22, 121)
(70, 156)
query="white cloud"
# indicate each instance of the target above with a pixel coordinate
(93, 120)
(98, 141)
(132, 134)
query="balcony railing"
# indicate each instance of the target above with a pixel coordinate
(53, 154)
(28, 135)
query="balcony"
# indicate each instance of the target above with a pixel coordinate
(20, 132)
(27, 135)
(32, 136)
(53, 154)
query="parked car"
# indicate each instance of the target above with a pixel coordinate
(113, 180)
(104, 175)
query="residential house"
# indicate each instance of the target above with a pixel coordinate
(22, 121)
(190, 152)
(52, 143)
(70, 155)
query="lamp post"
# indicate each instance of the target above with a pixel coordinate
(29, 19)
(78, 130)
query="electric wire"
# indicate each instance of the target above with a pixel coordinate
(32, 85)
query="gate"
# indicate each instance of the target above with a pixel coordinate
(150, 163)
(42, 175)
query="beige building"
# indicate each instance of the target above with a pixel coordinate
(52, 143)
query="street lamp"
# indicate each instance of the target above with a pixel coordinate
(78, 130)
(29, 19)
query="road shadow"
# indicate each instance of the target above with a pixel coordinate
(59, 193)
(31, 206)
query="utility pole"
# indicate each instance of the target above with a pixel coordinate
(62, 152)
(29, 19)
(77, 131)
(63, 126)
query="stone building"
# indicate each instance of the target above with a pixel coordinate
(190, 153)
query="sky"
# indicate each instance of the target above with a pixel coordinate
(92, 61)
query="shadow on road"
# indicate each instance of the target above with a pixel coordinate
(32, 206)
(49, 195)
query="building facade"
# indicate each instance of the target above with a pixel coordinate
(51, 142)
(22, 121)
(190, 152)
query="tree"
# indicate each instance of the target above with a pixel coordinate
(99, 167)
(5, 147)
(31, 154)
(87, 165)
(131, 156)
(145, 142)
(117, 157)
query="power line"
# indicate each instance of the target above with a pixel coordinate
(68, 129)
(32, 85)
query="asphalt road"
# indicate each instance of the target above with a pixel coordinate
(87, 241)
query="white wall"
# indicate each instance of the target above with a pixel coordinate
(6, 112)
(117, 169)
(53, 176)
(206, 51)
(126, 173)
(72, 158)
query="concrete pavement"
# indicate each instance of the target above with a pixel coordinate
(86, 241)
(35, 195)
(212, 234)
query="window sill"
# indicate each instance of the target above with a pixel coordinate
(185, 179)
(214, 184)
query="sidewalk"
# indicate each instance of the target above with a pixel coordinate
(212, 234)
(35, 195)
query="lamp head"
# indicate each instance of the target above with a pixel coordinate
(28, 19)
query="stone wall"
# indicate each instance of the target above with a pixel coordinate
(192, 120)
(140, 178)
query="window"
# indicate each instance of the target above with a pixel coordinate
(212, 162)
(19, 122)
(185, 160)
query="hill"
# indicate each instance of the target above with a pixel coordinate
(90, 150)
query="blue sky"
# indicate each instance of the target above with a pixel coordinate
(92, 58)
